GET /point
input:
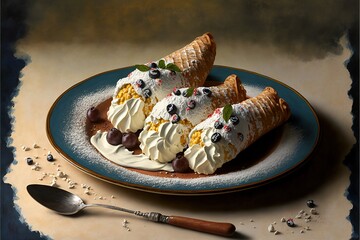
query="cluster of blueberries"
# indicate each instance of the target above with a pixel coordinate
(310, 203)
(191, 104)
(49, 157)
(114, 136)
(216, 137)
(154, 73)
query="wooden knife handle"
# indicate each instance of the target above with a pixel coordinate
(219, 228)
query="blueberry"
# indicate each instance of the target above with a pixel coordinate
(93, 114)
(180, 164)
(130, 140)
(207, 92)
(215, 137)
(29, 161)
(147, 93)
(140, 83)
(177, 92)
(290, 222)
(153, 65)
(114, 137)
(50, 157)
(191, 104)
(175, 118)
(234, 119)
(310, 203)
(171, 109)
(184, 93)
(218, 125)
(154, 73)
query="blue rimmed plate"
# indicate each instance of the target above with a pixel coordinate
(295, 141)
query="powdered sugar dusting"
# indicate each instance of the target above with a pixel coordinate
(275, 164)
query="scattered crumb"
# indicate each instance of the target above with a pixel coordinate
(314, 211)
(125, 225)
(36, 167)
(283, 219)
(53, 183)
(271, 228)
(60, 174)
(24, 148)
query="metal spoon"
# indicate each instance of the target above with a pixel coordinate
(66, 203)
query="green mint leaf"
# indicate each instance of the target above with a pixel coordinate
(162, 64)
(189, 92)
(142, 67)
(173, 67)
(227, 111)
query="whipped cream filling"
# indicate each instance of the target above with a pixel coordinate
(211, 156)
(206, 159)
(122, 115)
(202, 107)
(127, 117)
(194, 107)
(162, 146)
(120, 155)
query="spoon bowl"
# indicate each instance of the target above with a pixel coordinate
(56, 199)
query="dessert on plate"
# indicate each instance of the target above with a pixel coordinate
(166, 129)
(136, 94)
(231, 129)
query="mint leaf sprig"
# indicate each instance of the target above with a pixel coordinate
(227, 112)
(161, 64)
(142, 67)
(189, 92)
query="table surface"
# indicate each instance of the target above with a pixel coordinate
(55, 66)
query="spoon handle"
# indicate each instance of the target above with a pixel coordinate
(110, 207)
(219, 228)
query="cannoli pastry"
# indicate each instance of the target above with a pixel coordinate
(231, 129)
(167, 127)
(136, 94)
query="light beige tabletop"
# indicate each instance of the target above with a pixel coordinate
(57, 65)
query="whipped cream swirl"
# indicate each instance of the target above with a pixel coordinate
(162, 145)
(127, 117)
